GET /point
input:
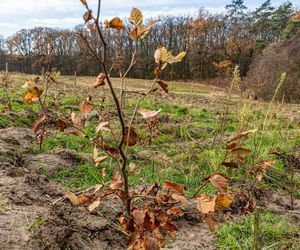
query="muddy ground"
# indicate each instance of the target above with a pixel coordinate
(29, 220)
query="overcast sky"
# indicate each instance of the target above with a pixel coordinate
(18, 14)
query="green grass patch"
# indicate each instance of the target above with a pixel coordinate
(67, 141)
(4, 121)
(36, 223)
(275, 232)
(81, 177)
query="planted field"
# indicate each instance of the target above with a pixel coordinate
(204, 154)
(187, 142)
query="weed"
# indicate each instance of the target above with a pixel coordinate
(35, 224)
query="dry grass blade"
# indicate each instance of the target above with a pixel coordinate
(94, 205)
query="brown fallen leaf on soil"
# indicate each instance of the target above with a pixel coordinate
(94, 205)
(223, 201)
(205, 204)
(211, 221)
(73, 198)
(175, 211)
(174, 187)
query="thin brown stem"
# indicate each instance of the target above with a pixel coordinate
(136, 108)
(123, 82)
(199, 189)
(123, 161)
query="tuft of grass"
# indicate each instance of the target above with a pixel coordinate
(275, 232)
(68, 141)
(82, 177)
(36, 223)
(4, 122)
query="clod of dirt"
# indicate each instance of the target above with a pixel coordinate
(23, 202)
(193, 237)
(17, 137)
(34, 189)
(53, 162)
(69, 227)
(27, 218)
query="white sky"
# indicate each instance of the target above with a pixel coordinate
(18, 14)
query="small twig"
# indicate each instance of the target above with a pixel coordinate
(118, 228)
(134, 92)
(79, 192)
(136, 108)
(199, 189)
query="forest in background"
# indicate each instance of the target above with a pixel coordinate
(215, 43)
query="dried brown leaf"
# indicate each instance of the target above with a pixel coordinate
(230, 164)
(219, 181)
(181, 198)
(148, 113)
(163, 85)
(116, 184)
(130, 138)
(142, 31)
(83, 199)
(103, 172)
(100, 160)
(100, 81)
(241, 135)
(102, 127)
(76, 120)
(87, 16)
(136, 17)
(97, 187)
(94, 205)
(240, 151)
(38, 123)
(205, 204)
(150, 243)
(112, 151)
(86, 107)
(231, 146)
(115, 23)
(73, 198)
(211, 221)
(61, 125)
(174, 187)
(223, 201)
(175, 211)
(138, 216)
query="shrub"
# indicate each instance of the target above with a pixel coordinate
(267, 68)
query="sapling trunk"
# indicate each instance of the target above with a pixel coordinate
(255, 241)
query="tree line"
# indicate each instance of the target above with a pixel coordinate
(215, 43)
